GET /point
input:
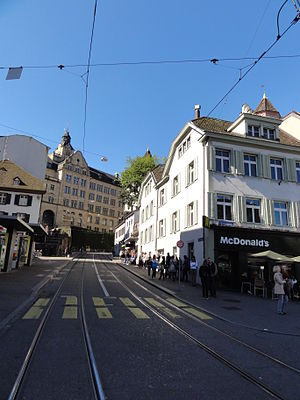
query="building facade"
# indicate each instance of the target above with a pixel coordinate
(229, 190)
(77, 194)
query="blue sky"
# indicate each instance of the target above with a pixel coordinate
(133, 107)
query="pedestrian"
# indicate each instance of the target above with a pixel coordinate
(141, 262)
(279, 289)
(162, 268)
(168, 260)
(204, 275)
(154, 266)
(172, 269)
(212, 276)
(149, 263)
(185, 268)
(293, 282)
(193, 269)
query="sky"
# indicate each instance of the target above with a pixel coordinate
(137, 106)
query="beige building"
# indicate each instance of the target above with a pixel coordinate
(77, 194)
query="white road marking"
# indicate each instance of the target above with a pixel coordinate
(99, 279)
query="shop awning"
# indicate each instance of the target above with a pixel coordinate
(272, 255)
(38, 229)
(12, 221)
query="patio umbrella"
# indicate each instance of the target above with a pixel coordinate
(272, 255)
(296, 259)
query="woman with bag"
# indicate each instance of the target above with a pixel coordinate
(279, 289)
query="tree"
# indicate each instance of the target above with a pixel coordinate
(133, 176)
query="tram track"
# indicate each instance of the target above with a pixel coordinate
(242, 372)
(97, 389)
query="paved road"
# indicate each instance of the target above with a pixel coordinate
(139, 353)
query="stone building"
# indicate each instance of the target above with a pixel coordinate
(78, 195)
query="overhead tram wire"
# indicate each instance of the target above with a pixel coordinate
(87, 76)
(292, 23)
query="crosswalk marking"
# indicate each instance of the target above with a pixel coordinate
(36, 310)
(98, 302)
(71, 300)
(70, 312)
(127, 302)
(137, 312)
(197, 313)
(176, 302)
(103, 313)
(163, 308)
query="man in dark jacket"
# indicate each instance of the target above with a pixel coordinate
(185, 268)
(204, 275)
(212, 275)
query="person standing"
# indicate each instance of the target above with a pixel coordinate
(279, 289)
(203, 272)
(168, 260)
(162, 268)
(212, 276)
(154, 266)
(149, 263)
(185, 268)
(193, 269)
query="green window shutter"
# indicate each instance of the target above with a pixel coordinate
(291, 213)
(271, 211)
(291, 170)
(266, 168)
(233, 161)
(239, 159)
(235, 209)
(240, 209)
(259, 165)
(266, 211)
(211, 158)
(211, 209)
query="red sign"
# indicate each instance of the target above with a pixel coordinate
(180, 244)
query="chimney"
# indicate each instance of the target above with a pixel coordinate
(197, 109)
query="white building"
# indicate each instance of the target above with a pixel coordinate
(228, 190)
(126, 233)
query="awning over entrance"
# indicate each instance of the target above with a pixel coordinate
(272, 255)
(38, 229)
(11, 221)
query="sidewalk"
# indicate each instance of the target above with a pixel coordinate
(237, 309)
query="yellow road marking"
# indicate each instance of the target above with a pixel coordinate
(176, 302)
(41, 302)
(155, 303)
(98, 301)
(127, 302)
(70, 313)
(33, 313)
(71, 301)
(103, 312)
(197, 313)
(138, 313)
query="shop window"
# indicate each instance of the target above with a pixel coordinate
(280, 213)
(253, 210)
(276, 169)
(222, 161)
(250, 165)
(224, 207)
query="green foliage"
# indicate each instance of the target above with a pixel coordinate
(133, 175)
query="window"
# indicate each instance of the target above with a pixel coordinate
(175, 222)
(69, 167)
(224, 207)
(222, 160)
(191, 173)
(175, 186)
(105, 211)
(150, 233)
(298, 171)
(74, 192)
(147, 212)
(99, 198)
(250, 165)
(76, 180)
(111, 223)
(89, 219)
(104, 222)
(91, 196)
(52, 187)
(188, 142)
(99, 188)
(83, 172)
(77, 169)
(68, 178)
(105, 200)
(253, 210)
(180, 152)
(113, 192)
(161, 228)
(80, 221)
(66, 202)
(106, 190)
(50, 199)
(83, 182)
(97, 221)
(280, 213)
(91, 207)
(5, 198)
(253, 131)
(112, 202)
(143, 216)
(81, 205)
(82, 193)
(190, 214)
(23, 200)
(276, 169)
(151, 208)
(269, 134)
(162, 197)
(74, 203)
(112, 213)
(92, 185)
(98, 209)
(67, 189)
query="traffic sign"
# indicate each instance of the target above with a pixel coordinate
(180, 244)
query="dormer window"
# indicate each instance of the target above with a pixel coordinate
(269, 134)
(253, 131)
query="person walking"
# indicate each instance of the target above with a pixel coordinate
(279, 289)
(204, 275)
(154, 266)
(168, 260)
(149, 263)
(172, 269)
(185, 268)
(162, 268)
(212, 276)
(193, 269)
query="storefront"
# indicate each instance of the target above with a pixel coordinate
(235, 249)
(3, 245)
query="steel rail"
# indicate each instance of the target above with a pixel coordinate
(203, 346)
(97, 384)
(19, 380)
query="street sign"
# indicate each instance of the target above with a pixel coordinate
(180, 244)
